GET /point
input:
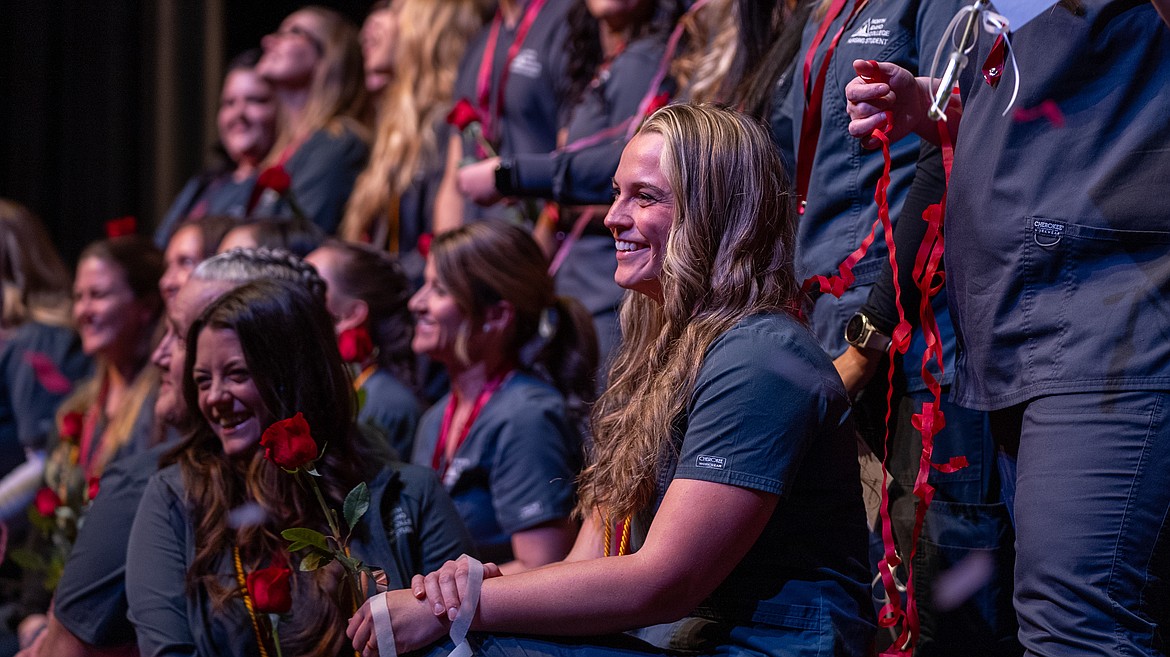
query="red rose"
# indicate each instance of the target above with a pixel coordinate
(270, 589)
(657, 103)
(121, 226)
(94, 487)
(289, 443)
(355, 345)
(424, 244)
(46, 501)
(274, 178)
(71, 425)
(463, 115)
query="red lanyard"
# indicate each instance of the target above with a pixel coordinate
(438, 460)
(89, 427)
(483, 85)
(810, 127)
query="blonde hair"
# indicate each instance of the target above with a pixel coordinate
(729, 255)
(704, 70)
(432, 37)
(337, 95)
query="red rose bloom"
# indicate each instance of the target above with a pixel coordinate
(71, 425)
(270, 590)
(121, 226)
(355, 345)
(463, 115)
(94, 487)
(657, 103)
(288, 443)
(46, 501)
(274, 178)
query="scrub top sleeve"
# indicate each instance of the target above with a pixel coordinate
(156, 574)
(755, 407)
(533, 471)
(91, 598)
(441, 533)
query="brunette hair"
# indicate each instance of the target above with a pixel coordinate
(584, 47)
(377, 279)
(211, 229)
(486, 262)
(729, 255)
(432, 37)
(296, 235)
(286, 337)
(35, 282)
(337, 91)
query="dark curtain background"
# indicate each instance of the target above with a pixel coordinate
(108, 106)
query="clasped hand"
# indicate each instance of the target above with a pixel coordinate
(421, 615)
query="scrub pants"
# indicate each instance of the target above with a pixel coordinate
(967, 527)
(1092, 491)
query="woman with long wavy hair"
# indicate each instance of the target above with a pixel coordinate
(394, 197)
(314, 64)
(722, 505)
(261, 353)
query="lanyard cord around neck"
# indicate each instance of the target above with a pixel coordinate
(810, 126)
(439, 460)
(484, 79)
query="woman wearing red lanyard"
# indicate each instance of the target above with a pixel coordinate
(116, 305)
(515, 75)
(314, 64)
(505, 441)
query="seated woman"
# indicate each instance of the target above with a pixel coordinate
(314, 64)
(367, 297)
(246, 121)
(116, 306)
(723, 479)
(263, 352)
(521, 362)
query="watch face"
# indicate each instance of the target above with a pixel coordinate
(854, 328)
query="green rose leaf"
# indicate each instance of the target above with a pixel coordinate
(356, 504)
(314, 560)
(301, 538)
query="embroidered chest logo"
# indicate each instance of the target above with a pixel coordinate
(713, 462)
(455, 470)
(531, 510)
(872, 32)
(527, 64)
(403, 526)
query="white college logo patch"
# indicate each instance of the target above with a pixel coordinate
(526, 64)
(715, 462)
(872, 32)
